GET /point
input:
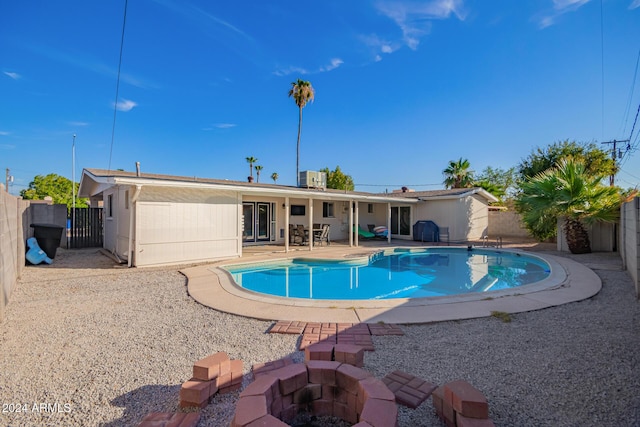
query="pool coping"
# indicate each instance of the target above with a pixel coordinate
(569, 281)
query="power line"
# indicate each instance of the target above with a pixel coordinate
(630, 100)
(602, 60)
(115, 105)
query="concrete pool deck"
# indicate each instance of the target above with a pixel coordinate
(213, 287)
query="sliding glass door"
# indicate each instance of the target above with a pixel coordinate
(401, 220)
(257, 218)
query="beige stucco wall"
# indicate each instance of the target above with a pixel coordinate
(467, 217)
(186, 225)
(506, 224)
(630, 240)
(601, 235)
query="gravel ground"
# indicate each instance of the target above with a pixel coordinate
(88, 343)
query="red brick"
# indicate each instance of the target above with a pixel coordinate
(345, 412)
(319, 351)
(230, 388)
(223, 380)
(292, 377)
(266, 385)
(322, 372)
(264, 368)
(349, 353)
(322, 407)
(380, 413)
(466, 399)
(236, 371)
(347, 377)
(438, 397)
(211, 366)
(289, 413)
(362, 424)
(373, 388)
(267, 421)
(197, 391)
(308, 393)
(462, 421)
(409, 400)
(276, 406)
(392, 385)
(249, 409)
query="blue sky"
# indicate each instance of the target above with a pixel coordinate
(402, 87)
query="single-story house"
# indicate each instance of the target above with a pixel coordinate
(152, 219)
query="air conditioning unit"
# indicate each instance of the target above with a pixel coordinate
(313, 179)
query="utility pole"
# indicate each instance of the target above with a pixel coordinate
(6, 180)
(613, 157)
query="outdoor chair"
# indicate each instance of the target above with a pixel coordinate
(322, 236)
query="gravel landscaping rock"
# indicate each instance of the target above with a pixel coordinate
(86, 342)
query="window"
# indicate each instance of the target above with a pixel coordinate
(327, 210)
(298, 210)
(370, 208)
(110, 206)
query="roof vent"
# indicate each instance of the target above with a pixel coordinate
(137, 168)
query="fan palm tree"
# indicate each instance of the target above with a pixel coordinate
(251, 160)
(457, 174)
(274, 177)
(302, 93)
(567, 191)
(258, 169)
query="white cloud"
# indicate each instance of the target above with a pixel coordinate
(125, 105)
(335, 63)
(634, 4)
(415, 18)
(7, 146)
(224, 125)
(3, 133)
(14, 76)
(78, 124)
(291, 70)
(560, 7)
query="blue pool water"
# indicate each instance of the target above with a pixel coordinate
(393, 274)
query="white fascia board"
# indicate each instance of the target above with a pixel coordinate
(490, 197)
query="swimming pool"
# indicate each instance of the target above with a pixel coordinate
(393, 274)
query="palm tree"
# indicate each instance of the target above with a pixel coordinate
(274, 177)
(258, 169)
(567, 191)
(251, 160)
(302, 92)
(458, 175)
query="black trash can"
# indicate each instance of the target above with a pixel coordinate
(48, 237)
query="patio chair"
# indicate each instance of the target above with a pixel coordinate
(322, 236)
(363, 233)
(295, 237)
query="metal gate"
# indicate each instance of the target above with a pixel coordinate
(85, 228)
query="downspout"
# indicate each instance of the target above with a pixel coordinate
(132, 204)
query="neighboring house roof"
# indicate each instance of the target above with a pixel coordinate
(453, 193)
(95, 181)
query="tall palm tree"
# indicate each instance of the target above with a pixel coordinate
(302, 93)
(274, 177)
(251, 160)
(258, 169)
(457, 174)
(570, 192)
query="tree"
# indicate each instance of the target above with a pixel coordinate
(302, 93)
(251, 160)
(258, 170)
(457, 174)
(338, 180)
(274, 177)
(567, 190)
(57, 187)
(497, 181)
(596, 161)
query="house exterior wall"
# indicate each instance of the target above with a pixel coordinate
(186, 225)
(111, 217)
(467, 217)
